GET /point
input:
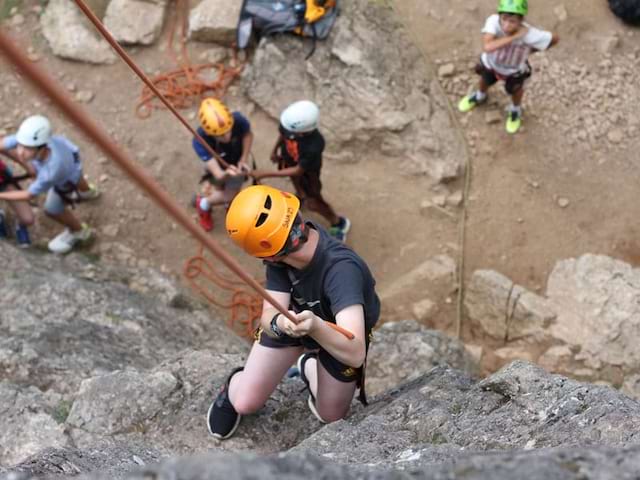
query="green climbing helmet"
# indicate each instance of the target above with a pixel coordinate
(519, 7)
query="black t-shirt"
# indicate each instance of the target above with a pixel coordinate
(304, 150)
(230, 152)
(335, 278)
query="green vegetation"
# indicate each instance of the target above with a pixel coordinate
(6, 6)
(61, 412)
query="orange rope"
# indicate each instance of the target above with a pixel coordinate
(185, 86)
(245, 306)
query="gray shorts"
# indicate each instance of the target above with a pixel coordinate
(54, 204)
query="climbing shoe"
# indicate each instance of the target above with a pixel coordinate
(64, 242)
(90, 194)
(311, 401)
(22, 237)
(204, 216)
(470, 102)
(3, 225)
(222, 418)
(339, 230)
(514, 121)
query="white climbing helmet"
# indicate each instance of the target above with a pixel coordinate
(35, 131)
(300, 117)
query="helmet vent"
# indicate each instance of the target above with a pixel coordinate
(261, 219)
(267, 202)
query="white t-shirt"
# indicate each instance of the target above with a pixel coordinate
(513, 58)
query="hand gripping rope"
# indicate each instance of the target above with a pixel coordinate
(77, 115)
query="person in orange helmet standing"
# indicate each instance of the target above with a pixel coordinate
(229, 135)
(320, 281)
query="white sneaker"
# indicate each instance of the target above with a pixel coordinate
(65, 241)
(90, 194)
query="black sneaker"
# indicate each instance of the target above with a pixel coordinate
(222, 418)
(311, 401)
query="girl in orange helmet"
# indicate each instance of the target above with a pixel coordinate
(320, 281)
(229, 135)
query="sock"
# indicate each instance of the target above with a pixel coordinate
(515, 109)
(480, 96)
(205, 205)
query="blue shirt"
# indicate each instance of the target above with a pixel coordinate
(230, 152)
(60, 169)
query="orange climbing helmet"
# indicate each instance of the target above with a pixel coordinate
(215, 117)
(260, 218)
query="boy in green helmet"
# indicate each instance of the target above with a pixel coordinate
(507, 43)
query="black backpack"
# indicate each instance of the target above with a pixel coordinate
(308, 18)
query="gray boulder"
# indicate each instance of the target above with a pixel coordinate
(445, 412)
(381, 98)
(502, 310)
(598, 303)
(215, 21)
(586, 327)
(71, 36)
(63, 321)
(404, 351)
(134, 22)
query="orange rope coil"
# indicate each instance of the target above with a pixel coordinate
(245, 306)
(184, 86)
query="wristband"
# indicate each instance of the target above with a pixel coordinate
(274, 326)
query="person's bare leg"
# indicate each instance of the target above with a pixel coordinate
(67, 219)
(23, 210)
(482, 86)
(333, 397)
(516, 97)
(83, 185)
(250, 389)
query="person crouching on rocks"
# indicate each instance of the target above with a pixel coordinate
(320, 281)
(55, 163)
(229, 135)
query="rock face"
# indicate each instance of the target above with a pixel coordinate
(506, 311)
(94, 356)
(443, 423)
(404, 351)
(215, 21)
(383, 98)
(71, 36)
(135, 21)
